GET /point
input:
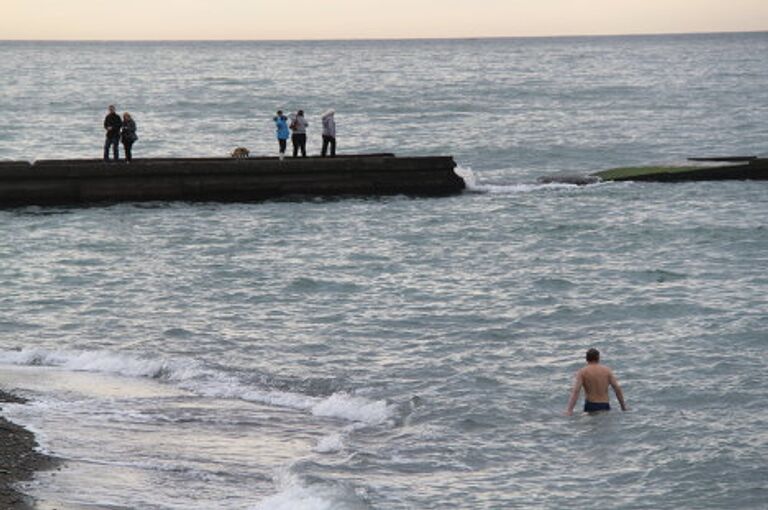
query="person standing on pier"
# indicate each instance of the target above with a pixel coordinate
(299, 137)
(281, 123)
(128, 135)
(329, 133)
(112, 125)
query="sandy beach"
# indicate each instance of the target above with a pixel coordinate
(19, 459)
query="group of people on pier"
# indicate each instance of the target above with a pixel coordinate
(293, 126)
(297, 130)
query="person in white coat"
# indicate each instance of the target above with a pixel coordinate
(329, 133)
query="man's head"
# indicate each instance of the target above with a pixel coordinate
(111, 108)
(301, 113)
(279, 112)
(593, 355)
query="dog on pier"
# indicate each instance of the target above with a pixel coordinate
(241, 153)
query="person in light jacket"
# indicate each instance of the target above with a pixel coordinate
(281, 123)
(128, 135)
(299, 137)
(329, 133)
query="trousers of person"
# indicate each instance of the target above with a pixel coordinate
(114, 142)
(329, 141)
(128, 144)
(299, 141)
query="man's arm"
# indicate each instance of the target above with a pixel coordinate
(577, 383)
(617, 390)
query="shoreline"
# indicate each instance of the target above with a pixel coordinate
(19, 459)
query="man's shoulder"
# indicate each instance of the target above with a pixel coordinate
(597, 369)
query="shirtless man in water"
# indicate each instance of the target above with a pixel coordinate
(595, 378)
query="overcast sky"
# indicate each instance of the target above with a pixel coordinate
(354, 19)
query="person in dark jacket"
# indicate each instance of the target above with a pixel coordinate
(128, 135)
(299, 137)
(112, 125)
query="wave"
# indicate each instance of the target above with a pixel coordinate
(88, 361)
(195, 377)
(520, 188)
(333, 443)
(470, 180)
(293, 494)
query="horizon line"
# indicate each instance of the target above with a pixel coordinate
(416, 38)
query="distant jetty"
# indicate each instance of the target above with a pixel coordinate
(731, 168)
(79, 182)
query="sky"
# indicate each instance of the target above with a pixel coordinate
(368, 19)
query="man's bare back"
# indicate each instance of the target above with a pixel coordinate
(595, 379)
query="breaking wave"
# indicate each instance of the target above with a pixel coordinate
(473, 186)
(193, 376)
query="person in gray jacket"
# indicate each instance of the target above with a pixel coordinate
(299, 133)
(329, 133)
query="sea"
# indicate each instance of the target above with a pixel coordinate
(395, 352)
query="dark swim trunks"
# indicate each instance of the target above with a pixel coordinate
(593, 407)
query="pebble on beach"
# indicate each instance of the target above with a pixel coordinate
(19, 459)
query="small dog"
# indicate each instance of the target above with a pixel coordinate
(240, 153)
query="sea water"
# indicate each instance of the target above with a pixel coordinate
(395, 353)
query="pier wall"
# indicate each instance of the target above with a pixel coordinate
(223, 180)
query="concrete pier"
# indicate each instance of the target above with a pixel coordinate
(73, 182)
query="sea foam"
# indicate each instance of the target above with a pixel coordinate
(193, 376)
(294, 495)
(473, 186)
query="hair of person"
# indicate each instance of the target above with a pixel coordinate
(593, 355)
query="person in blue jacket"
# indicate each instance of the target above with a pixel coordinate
(281, 123)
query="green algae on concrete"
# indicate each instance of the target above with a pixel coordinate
(752, 168)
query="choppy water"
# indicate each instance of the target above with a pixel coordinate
(396, 353)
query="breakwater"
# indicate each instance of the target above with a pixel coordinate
(62, 182)
(732, 168)
(741, 168)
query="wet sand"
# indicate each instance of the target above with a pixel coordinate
(18, 459)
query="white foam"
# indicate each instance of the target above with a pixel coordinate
(330, 444)
(294, 495)
(90, 361)
(520, 188)
(469, 177)
(352, 408)
(281, 399)
(192, 376)
(297, 498)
